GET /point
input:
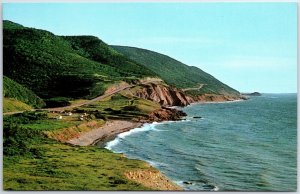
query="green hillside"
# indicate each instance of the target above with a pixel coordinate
(176, 73)
(95, 49)
(54, 66)
(13, 90)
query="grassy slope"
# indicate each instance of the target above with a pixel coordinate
(13, 90)
(65, 167)
(34, 162)
(12, 105)
(176, 73)
(53, 66)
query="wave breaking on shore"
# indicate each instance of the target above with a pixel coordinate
(145, 127)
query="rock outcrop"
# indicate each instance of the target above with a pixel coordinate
(162, 114)
(166, 114)
(162, 94)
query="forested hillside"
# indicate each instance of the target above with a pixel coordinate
(176, 73)
(54, 66)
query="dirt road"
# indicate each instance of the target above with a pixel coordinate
(198, 88)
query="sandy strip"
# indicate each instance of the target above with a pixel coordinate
(105, 133)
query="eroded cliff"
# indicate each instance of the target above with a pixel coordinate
(163, 94)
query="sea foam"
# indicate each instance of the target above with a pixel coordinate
(145, 127)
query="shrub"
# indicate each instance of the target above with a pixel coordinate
(57, 102)
(130, 108)
(17, 141)
(98, 115)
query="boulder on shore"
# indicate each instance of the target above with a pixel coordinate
(166, 114)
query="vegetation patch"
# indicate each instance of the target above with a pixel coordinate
(58, 102)
(120, 107)
(37, 121)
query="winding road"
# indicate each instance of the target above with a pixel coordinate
(198, 88)
(89, 101)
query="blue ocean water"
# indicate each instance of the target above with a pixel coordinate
(238, 146)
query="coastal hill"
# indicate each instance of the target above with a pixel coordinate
(59, 69)
(252, 94)
(62, 68)
(175, 73)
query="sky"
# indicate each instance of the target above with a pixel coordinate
(248, 46)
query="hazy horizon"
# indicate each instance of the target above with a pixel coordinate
(248, 46)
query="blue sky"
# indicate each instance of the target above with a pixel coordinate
(249, 46)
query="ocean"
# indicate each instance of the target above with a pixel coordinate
(235, 146)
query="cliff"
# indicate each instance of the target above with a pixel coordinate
(163, 94)
(169, 96)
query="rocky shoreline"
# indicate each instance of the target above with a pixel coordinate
(100, 136)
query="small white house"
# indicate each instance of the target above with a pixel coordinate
(68, 114)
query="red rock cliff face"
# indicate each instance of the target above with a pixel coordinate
(164, 95)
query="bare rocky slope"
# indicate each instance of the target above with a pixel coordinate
(169, 96)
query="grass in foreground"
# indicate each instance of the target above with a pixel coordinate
(34, 162)
(64, 167)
